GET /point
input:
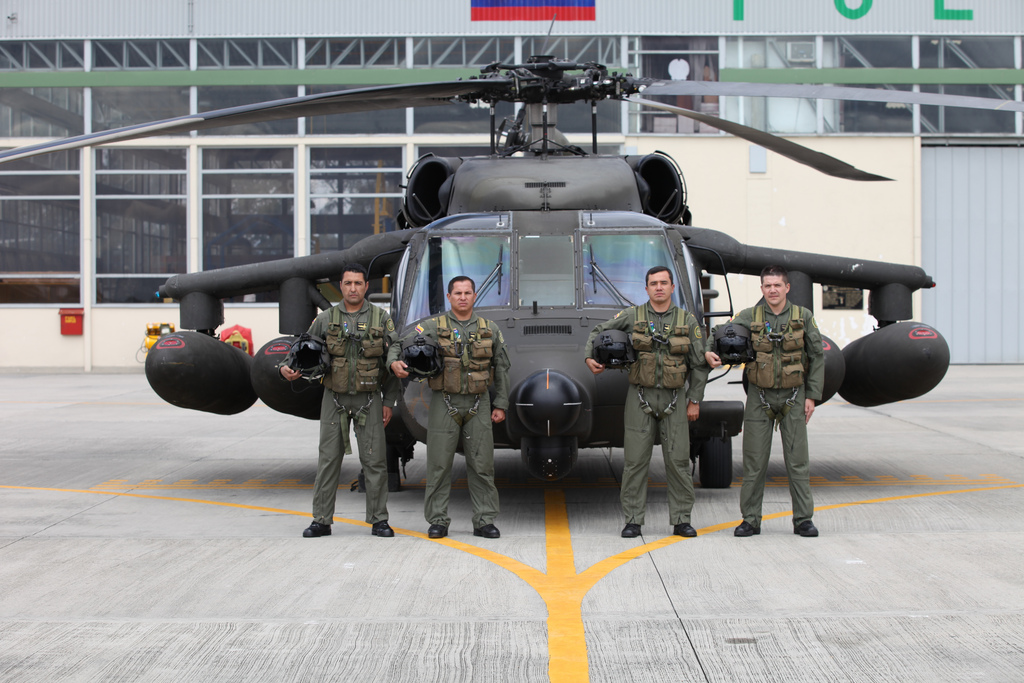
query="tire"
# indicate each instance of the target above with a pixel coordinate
(715, 463)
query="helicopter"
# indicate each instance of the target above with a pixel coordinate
(554, 237)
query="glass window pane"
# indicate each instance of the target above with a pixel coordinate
(137, 236)
(362, 123)
(614, 268)
(119, 107)
(39, 236)
(876, 117)
(959, 120)
(241, 231)
(966, 53)
(39, 291)
(458, 119)
(877, 52)
(547, 273)
(41, 112)
(129, 290)
(681, 59)
(222, 97)
(339, 218)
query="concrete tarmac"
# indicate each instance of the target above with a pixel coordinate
(143, 542)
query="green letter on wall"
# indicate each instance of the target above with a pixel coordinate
(865, 6)
(953, 14)
(737, 10)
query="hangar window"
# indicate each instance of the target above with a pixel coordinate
(41, 112)
(469, 52)
(140, 54)
(601, 49)
(360, 53)
(42, 55)
(116, 106)
(141, 222)
(40, 230)
(245, 53)
(680, 59)
(248, 207)
(354, 192)
(388, 121)
(222, 97)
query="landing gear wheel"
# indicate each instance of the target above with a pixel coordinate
(715, 463)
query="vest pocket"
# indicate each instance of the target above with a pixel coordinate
(673, 372)
(642, 371)
(373, 343)
(792, 376)
(760, 372)
(339, 374)
(366, 375)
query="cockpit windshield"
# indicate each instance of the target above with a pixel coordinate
(614, 267)
(484, 258)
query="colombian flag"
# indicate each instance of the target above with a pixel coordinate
(533, 10)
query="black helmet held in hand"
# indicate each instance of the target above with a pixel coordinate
(612, 348)
(422, 357)
(309, 357)
(732, 344)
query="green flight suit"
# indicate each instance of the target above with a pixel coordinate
(674, 428)
(476, 431)
(338, 410)
(758, 426)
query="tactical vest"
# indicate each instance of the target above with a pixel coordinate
(654, 350)
(356, 356)
(780, 362)
(467, 363)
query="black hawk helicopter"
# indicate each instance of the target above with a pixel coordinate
(557, 239)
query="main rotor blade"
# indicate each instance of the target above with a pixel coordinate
(336, 102)
(825, 92)
(804, 155)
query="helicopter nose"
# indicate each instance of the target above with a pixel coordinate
(548, 403)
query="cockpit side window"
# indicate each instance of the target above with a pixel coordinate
(614, 266)
(484, 258)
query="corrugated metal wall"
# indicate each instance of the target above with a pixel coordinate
(318, 18)
(972, 213)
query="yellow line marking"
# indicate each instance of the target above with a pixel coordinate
(561, 587)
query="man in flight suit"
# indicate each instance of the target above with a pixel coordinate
(786, 378)
(475, 357)
(357, 336)
(670, 349)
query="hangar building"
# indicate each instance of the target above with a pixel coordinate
(96, 231)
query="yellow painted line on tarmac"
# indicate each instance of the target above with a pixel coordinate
(560, 586)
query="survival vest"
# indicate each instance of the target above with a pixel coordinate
(467, 363)
(356, 355)
(780, 362)
(659, 354)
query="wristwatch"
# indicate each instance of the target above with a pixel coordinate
(696, 403)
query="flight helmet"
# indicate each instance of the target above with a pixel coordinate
(732, 344)
(422, 357)
(309, 357)
(614, 349)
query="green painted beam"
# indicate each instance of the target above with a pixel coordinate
(876, 76)
(228, 77)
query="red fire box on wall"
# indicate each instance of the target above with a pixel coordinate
(71, 320)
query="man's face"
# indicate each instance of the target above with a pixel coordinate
(774, 289)
(660, 288)
(462, 299)
(353, 288)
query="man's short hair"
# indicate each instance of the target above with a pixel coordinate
(355, 268)
(775, 271)
(461, 278)
(658, 269)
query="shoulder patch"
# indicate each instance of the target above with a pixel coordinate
(390, 324)
(419, 328)
(619, 313)
(814, 322)
(696, 332)
(501, 339)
